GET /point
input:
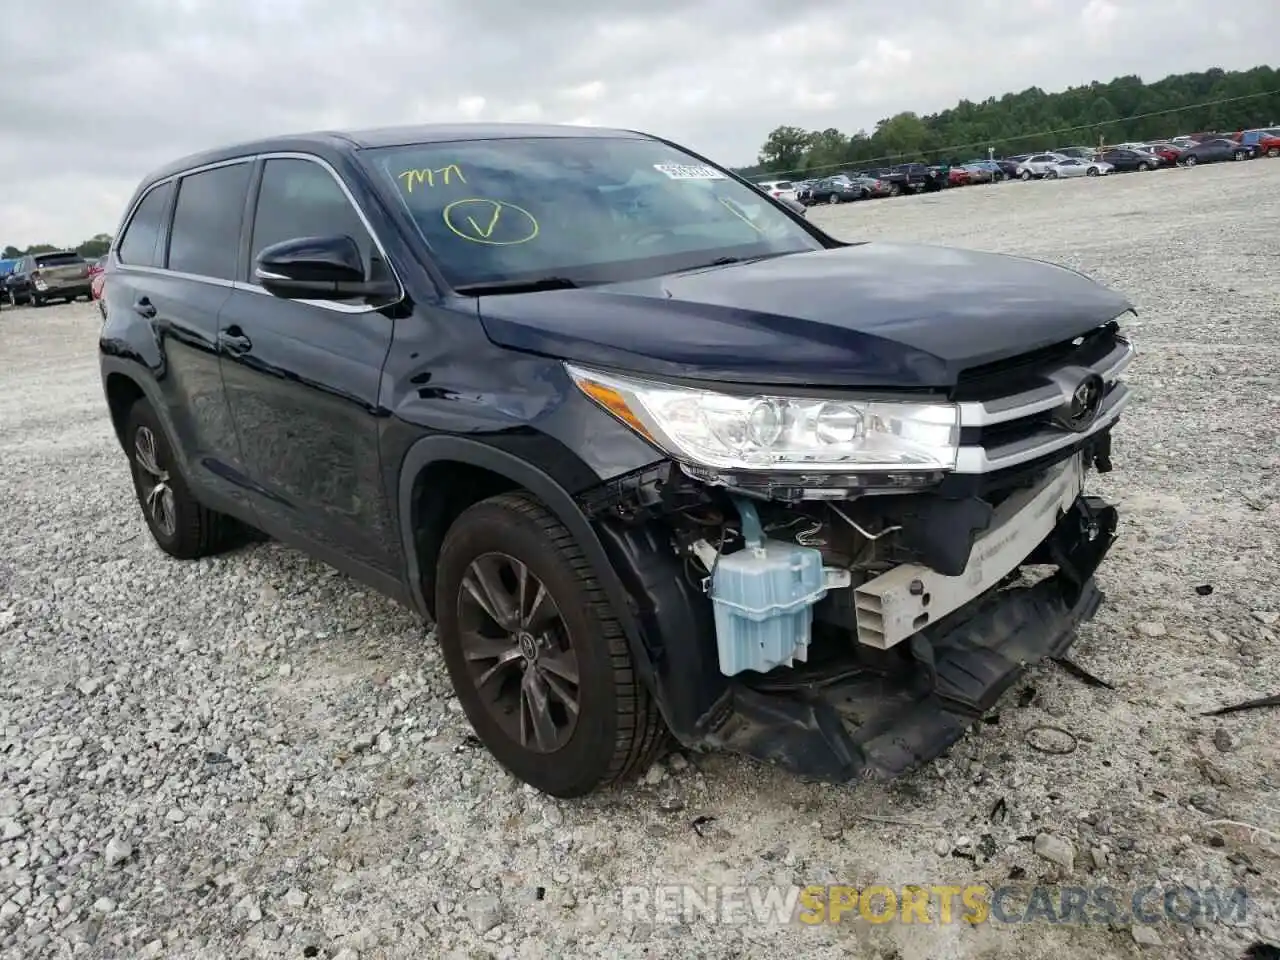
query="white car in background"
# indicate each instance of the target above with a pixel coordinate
(779, 189)
(1075, 167)
(1036, 165)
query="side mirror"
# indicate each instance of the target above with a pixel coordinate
(317, 268)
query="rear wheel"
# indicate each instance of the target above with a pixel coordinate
(1190, 161)
(895, 189)
(1144, 167)
(1273, 151)
(537, 657)
(1091, 172)
(36, 300)
(180, 525)
(834, 198)
(1025, 175)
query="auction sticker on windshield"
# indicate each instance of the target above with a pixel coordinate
(681, 171)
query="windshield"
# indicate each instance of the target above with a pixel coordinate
(587, 209)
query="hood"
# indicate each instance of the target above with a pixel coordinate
(868, 315)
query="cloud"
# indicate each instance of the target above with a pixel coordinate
(130, 86)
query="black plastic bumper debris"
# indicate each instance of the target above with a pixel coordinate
(838, 725)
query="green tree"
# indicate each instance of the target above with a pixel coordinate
(784, 148)
(95, 247)
(1122, 109)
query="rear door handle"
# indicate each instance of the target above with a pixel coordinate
(234, 342)
(145, 307)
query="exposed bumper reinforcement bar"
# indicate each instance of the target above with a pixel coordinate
(833, 725)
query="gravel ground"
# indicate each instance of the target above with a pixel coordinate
(253, 756)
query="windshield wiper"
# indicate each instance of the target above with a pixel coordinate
(517, 286)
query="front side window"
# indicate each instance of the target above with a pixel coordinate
(300, 198)
(587, 209)
(140, 245)
(205, 239)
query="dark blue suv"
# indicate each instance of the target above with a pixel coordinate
(655, 454)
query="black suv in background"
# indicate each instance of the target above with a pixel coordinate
(654, 453)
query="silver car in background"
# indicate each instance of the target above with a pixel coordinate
(1036, 165)
(1075, 167)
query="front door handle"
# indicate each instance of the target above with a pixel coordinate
(234, 342)
(145, 307)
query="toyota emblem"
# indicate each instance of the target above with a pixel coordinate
(1086, 400)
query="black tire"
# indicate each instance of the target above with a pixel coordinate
(864, 194)
(1024, 176)
(895, 189)
(1190, 161)
(37, 301)
(1092, 172)
(1273, 152)
(11, 297)
(833, 199)
(617, 730)
(193, 531)
(1051, 174)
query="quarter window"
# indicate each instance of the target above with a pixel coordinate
(205, 239)
(300, 198)
(140, 245)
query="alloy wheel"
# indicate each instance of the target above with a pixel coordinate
(518, 652)
(157, 494)
(834, 198)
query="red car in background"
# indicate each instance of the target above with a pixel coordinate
(1269, 146)
(97, 278)
(958, 177)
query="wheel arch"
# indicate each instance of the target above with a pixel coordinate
(122, 391)
(469, 471)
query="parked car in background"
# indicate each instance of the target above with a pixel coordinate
(1075, 167)
(1037, 165)
(1126, 159)
(97, 281)
(958, 177)
(1168, 153)
(1214, 151)
(1270, 146)
(778, 188)
(1253, 138)
(991, 168)
(840, 189)
(1009, 165)
(56, 275)
(1079, 153)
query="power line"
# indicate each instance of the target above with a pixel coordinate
(982, 144)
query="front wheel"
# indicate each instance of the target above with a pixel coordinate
(1144, 167)
(1025, 175)
(1092, 172)
(1273, 152)
(37, 301)
(536, 654)
(895, 190)
(1189, 162)
(833, 199)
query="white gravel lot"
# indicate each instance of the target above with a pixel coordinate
(253, 756)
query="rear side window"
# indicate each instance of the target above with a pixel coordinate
(783, 185)
(140, 245)
(205, 239)
(58, 259)
(300, 198)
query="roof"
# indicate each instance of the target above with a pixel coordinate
(385, 137)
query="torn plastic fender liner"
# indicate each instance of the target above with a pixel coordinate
(870, 725)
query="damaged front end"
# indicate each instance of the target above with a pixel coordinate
(853, 624)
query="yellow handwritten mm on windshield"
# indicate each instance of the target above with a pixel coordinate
(428, 177)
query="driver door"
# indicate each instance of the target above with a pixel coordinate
(302, 380)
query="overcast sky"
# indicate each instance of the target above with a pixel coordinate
(94, 94)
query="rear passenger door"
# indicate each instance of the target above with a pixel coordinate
(303, 378)
(175, 265)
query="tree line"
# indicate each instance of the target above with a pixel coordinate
(96, 246)
(1126, 109)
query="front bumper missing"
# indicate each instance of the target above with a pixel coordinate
(837, 722)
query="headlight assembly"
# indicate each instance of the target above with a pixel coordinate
(772, 433)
